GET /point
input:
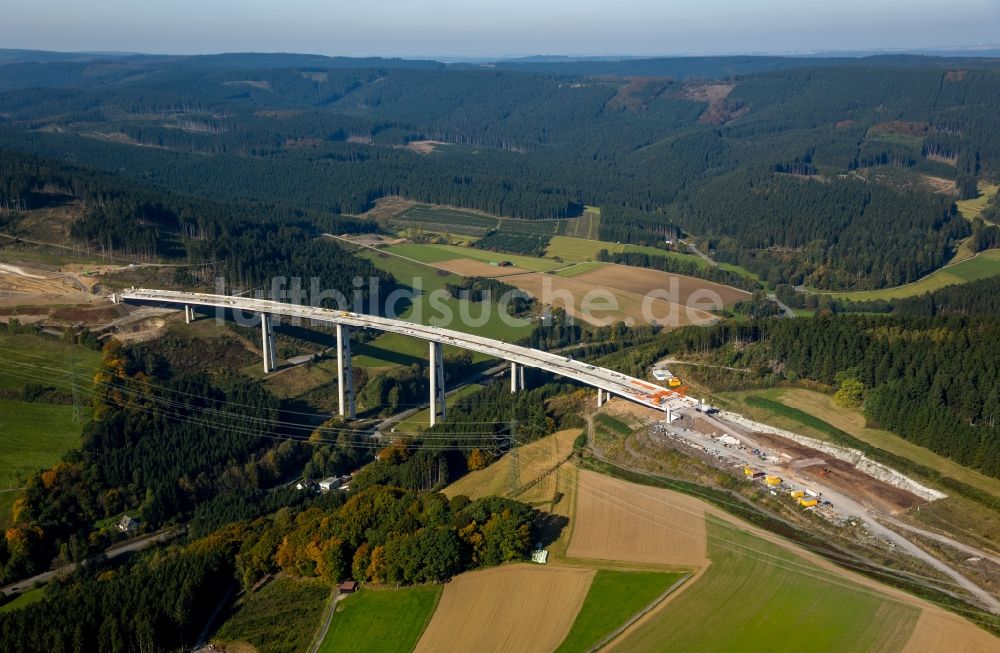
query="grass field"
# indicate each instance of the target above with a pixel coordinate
(23, 600)
(613, 424)
(421, 420)
(436, 253)
(614, 596)
(851, 421)
(985, 264)
(574, 269)
(758, 596)
(392, 349)
(580, 249)
(381, 621)
(974, 208)
(440, 219)
(39, 359)
(33, 437)
(281, 617)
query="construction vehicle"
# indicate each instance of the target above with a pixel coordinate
(668, 376)
(797, 494)
(772, 480)
(808, 503)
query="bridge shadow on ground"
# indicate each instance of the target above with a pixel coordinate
(380, 353)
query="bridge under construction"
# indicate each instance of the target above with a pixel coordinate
(607, 382)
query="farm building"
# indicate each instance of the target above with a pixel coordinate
(348, 587)
(330, 483)
(128, 524)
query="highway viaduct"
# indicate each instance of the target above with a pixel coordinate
(607, 382)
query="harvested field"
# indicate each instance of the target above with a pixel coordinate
(617, 520)
(518, 608)
(682, 289)
(604, 306)
(938, 631)
(470, 268)
(534, 459)
(843, 476)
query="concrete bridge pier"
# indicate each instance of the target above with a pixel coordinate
(513, 378)
(436, 371)
(602, 397)
(267, 342)
(188, 314)
(345, 376)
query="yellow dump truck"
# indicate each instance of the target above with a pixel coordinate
(797, 494)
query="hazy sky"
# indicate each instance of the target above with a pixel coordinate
(491, 27)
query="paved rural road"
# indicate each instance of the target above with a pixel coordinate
(937, 537)
(113, 552)
(774, 298)
(331, 608)
(697, 251)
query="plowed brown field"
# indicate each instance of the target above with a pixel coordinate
(604, 305)
(469, 268)
(642, 282)
(616, 520)
(516, 608)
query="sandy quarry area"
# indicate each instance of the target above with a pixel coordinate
(840, 475)
(517, 608)
(616, 520)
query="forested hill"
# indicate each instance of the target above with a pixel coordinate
(247, 244)
(652, 145)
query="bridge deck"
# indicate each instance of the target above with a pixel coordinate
(622, 385)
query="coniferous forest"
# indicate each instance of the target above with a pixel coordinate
(785, 174)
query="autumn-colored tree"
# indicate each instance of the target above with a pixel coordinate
(376, 568)
(361, 561)
(477, 460)
(851, 393)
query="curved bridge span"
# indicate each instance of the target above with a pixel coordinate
(607, 382)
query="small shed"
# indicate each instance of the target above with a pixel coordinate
(348, 587)
(128, 524)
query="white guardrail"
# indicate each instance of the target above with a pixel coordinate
(622, 385)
